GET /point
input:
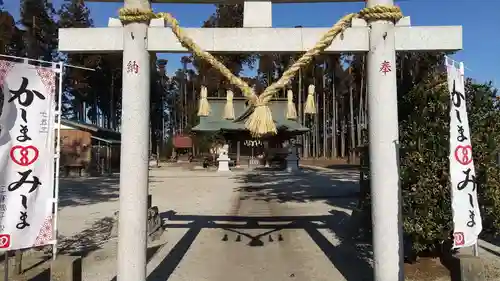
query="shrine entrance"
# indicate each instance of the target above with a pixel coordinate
(378, 30)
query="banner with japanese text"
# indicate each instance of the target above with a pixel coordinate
(26, 155)
(466, 215)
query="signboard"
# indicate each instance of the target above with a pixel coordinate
(26, 155)
(466, 215)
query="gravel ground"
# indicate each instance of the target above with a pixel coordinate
(242, 225)
(250, 226)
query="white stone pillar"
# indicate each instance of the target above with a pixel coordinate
(384, 142)
(132, 235)
(257, 14)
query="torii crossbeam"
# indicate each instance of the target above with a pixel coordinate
(379, 38)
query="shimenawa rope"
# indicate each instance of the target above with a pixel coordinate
(260, 122)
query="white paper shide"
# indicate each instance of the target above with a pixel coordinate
(466, 215)
(26, 155)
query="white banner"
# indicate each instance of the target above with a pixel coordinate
(26, 155)
(466, 215)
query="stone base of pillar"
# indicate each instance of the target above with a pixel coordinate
(223, 164)
(466, 268)
(154, 224)
(66, 268)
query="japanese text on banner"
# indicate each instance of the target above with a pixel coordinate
(27, 155)
(466, 215)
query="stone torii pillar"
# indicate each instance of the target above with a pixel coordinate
(134, 162)
(387, 229)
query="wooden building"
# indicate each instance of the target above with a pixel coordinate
(89, 148)
(242, 145)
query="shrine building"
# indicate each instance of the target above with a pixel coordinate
(241, 143)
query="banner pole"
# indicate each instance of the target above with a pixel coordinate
(58, 113)
(6, 267)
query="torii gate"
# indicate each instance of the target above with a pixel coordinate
(379, 38)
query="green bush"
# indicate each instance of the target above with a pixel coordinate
(484, 119)
(424, 150)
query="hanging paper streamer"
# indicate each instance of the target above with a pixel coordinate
(291, 112)
(204, 107)
(229, 108)
(465, 208)
(310, 107)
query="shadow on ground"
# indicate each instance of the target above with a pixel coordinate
(337, 188)
(490, 238)
(87, 190)
(88, 240)
(351, 257)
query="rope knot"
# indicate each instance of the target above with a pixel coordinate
(381, 12)
(128, 15)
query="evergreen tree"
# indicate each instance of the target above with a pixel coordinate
(424, 104)
(37, 18)
(11, 42)
(89, 98)
(226, 15)
(75, 14)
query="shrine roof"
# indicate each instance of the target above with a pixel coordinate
(215, 121)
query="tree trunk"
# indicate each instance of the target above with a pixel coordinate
(352, 141)
(324, 111)
(361, 117)
(334, 116)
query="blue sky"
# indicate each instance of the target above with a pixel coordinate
(479, 18)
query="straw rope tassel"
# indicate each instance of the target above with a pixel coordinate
(310, 107)
(261, 120)
(204, 107)
(229, 108)
(291, 112)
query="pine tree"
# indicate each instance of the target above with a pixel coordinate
(37, 18)
(75, 14)
(11, 42)
(226, 15)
